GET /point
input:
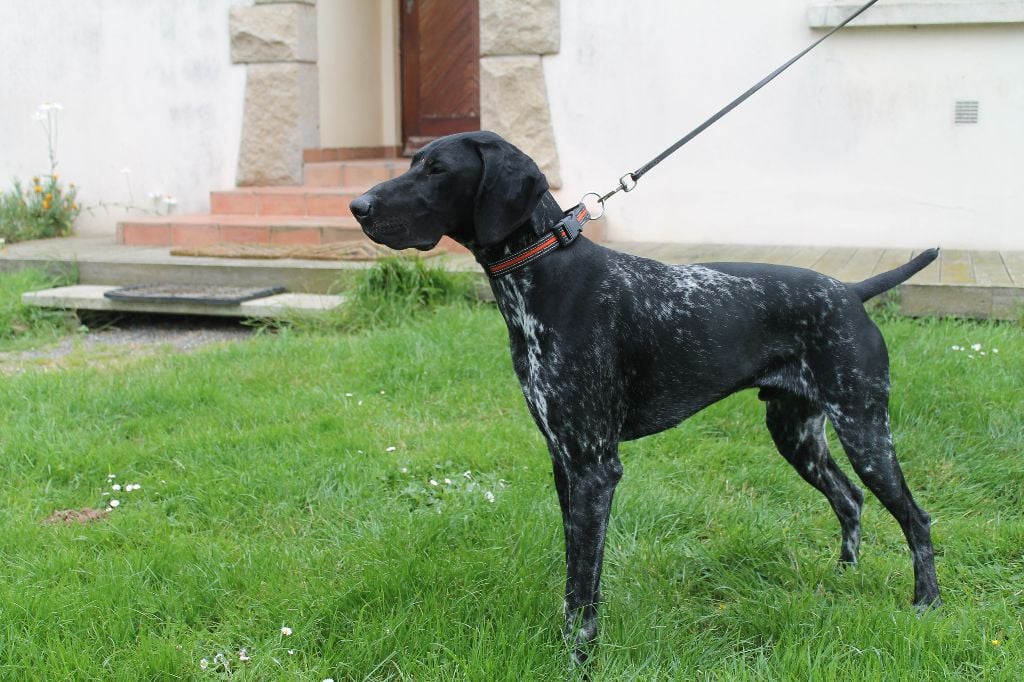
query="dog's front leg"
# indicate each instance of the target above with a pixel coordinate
(585, 490)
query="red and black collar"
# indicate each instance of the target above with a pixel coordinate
(562, 234)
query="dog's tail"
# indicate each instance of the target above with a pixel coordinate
(873, 286)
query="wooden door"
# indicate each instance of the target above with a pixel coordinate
(440, 46)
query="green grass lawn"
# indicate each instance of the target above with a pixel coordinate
(287, 482)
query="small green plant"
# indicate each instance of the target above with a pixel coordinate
(397, 289)
(46, 208)
(23, 325)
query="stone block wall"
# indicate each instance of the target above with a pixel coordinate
(277, 41)
(514, 36)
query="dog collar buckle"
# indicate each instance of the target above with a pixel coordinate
(564, 233)
(570, 226)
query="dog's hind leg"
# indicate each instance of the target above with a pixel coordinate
(585, 493)
(798, 429)
(863, 429)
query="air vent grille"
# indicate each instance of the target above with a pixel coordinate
(966, 112)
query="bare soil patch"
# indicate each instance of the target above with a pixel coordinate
(67, 516)
(115, 341)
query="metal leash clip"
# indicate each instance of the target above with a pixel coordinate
(571, 224)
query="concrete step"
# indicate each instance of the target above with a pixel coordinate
(280, 201)
(91, 297)
(356, 173)
(203, 229)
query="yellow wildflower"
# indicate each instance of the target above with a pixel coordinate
(37, 189)
(995, 642)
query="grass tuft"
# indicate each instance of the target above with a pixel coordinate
(393, 291)
(21, 325)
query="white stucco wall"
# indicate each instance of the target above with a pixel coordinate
(145, 84)
(854, 145)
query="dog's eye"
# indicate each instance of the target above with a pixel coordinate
(435, 169)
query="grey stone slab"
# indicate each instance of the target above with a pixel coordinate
(92, 297)
(510, 27)
(514, 103)
(273, 32)
(279, 121)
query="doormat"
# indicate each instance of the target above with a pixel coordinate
(355, 250)
(191, 293)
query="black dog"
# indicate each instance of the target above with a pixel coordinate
(610, 347)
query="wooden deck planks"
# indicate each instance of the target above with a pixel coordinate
(931, 274)
(892, 259)
(860, 266)
(833, 260)
(804, 256)
(989, 269)
(975, 284)
(1014, 262)
(956, 267)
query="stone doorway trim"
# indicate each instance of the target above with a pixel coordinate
(276, 40)
(514, 37)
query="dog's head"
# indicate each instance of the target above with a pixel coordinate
(475, 187)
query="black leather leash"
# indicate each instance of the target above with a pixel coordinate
(569, 227)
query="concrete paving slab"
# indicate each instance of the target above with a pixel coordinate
(100, 260)
(91, 297)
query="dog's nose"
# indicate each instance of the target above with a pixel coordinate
(361, 206)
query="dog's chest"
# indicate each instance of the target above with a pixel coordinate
(533, 353)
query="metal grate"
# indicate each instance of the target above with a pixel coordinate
(966, 111)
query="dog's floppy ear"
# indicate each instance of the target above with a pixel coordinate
(511, 186)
